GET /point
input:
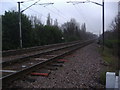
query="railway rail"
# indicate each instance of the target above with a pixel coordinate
(17, 65)
(15, 55)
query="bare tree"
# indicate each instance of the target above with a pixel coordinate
(48, 20)
(56, 23)
(35, 21)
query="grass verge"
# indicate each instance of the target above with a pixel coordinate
(110, 63)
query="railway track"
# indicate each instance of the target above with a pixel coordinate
(17, 65)
(12, 56)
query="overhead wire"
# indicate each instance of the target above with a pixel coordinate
(46, 8)
(77, 11)
(28, 0)
(30, 6)
(80, 13)
(55, 8)
(83, 16)
(59, 12)
(35, 11)
(56, 13)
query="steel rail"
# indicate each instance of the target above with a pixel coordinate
(30, 49)
(13, 76)
(22, 58)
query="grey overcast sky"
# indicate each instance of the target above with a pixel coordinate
(88, 13)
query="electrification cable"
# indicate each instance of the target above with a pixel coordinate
(38, 12)
(86, 20)
(59, 12)
(30, 6)
(83, 16)
(28, 0)
(35, 11)
(56, 13)
(77, 11)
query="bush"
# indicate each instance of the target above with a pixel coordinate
(103, 78)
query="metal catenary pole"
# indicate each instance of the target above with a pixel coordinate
(103, 22)
(20, 24)
(75, 2)
(19, 11)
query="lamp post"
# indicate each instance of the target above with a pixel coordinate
(77, 2)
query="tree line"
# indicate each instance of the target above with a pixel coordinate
(112, 36)
(34, 33)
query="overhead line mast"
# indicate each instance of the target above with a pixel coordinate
(19, 11)
(77, 2)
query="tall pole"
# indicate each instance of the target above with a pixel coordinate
(103, 23)
(19, 11)
(20, 24)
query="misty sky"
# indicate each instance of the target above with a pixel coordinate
(88, 13)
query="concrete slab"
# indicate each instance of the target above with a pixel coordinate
(119, 81)
(7, 71)
(116, 82)
(110, 80)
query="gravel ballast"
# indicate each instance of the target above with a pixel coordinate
(81, 71)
